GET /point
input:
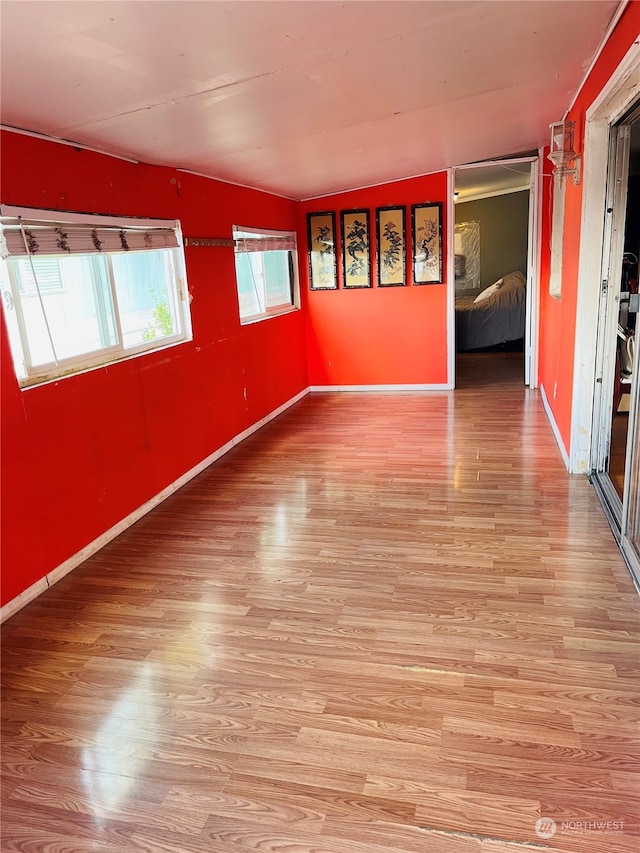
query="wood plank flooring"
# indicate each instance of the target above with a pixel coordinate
(385, 623)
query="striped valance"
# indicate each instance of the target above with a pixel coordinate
(266, 243)
(20, 238)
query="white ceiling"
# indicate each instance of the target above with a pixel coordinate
(301, 98)
(474, 182)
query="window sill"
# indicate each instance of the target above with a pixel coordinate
(69, 371)
(258, 318)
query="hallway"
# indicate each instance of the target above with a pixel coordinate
(386, 622)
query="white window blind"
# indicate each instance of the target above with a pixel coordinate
(266, 263)
(23, 237)
(557, 235)
(86, 290)
(255, 243)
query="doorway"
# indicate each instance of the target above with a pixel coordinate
(616, 448)
(494, 268)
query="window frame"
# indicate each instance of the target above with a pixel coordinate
(72, 365)
(292, 263)
(556, 243)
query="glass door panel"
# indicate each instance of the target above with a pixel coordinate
(631, 514)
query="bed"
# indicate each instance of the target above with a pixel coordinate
(497, 317)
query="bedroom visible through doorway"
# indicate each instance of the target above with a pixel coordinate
(492, 268)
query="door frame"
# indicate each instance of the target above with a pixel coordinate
(632, 468)
(619, 93)
(613, 231)
(533, 266)
(609, 304)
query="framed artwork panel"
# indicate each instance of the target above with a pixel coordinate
(354, 233)
(391, 244)
(321, 234)
(427, 243)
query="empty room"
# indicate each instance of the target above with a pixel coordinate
(320, 426)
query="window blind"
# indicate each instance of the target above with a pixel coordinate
(268, 243)
(23, 237)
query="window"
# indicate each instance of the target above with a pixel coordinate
(557, 235)
(88, 291)
(266, 273)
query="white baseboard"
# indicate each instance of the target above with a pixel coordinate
(73, 562)
(390, 388)
(554, 427)
(23, 598)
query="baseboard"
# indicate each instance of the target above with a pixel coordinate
(554, 427)
(390, 388)
(36, 589)
(23, 598)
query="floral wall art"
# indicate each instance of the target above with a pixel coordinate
(391, 247)
(321, 234)
(354, 232)
(427, 243)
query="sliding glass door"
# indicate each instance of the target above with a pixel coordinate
(616, 426)
(616, 332)
(630, 534)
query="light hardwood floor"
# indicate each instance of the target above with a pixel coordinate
(386, 622)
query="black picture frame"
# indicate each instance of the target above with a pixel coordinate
(426, 232)
(321, 238)
(391, 245)
(356, 254)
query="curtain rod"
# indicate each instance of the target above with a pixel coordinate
(216, 242)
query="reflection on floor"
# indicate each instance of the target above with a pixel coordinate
(384, 623)
(499, 369)
(618, 451)
(495, 369)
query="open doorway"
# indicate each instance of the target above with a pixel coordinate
(627, 331)
(615, 467)
(495, 216)
(607, 215)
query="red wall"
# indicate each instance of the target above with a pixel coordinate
(81, 453)
(378, 335)
(558, 317)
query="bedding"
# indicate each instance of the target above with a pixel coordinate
(494, 319)
(488, 291)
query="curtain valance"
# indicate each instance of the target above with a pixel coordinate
(268, 243)
(24, 237)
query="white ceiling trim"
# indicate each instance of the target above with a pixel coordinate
(378, 184)
(493, 194)
(235, 184)
(507, 161)
(22, 132)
